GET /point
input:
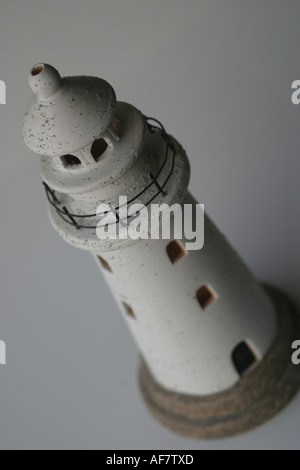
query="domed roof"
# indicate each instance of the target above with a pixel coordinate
(66, 114)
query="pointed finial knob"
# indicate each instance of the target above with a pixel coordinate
(44, 80)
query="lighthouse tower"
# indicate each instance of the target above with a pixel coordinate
(215, 345)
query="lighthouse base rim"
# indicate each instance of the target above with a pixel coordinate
(254, 399)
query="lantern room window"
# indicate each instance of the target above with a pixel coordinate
(70, 161)
(115, 128)
(98, 148)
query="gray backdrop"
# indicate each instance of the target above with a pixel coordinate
(218, 74)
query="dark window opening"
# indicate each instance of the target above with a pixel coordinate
(128, 310)
(204, 296)
(37, 70)
(175, 251)
(104, 264)
(70, 160)
(243, 357)
(115, 127)
(98, 148)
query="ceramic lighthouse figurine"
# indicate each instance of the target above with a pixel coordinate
(215, 344)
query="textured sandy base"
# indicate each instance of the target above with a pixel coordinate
(254, 399)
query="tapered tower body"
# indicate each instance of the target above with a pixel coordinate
(214, 343)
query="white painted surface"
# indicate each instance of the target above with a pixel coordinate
(187, 348)
(65, 114)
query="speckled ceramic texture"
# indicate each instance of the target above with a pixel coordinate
(66, 113)
(187, 348)
(256, 398)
